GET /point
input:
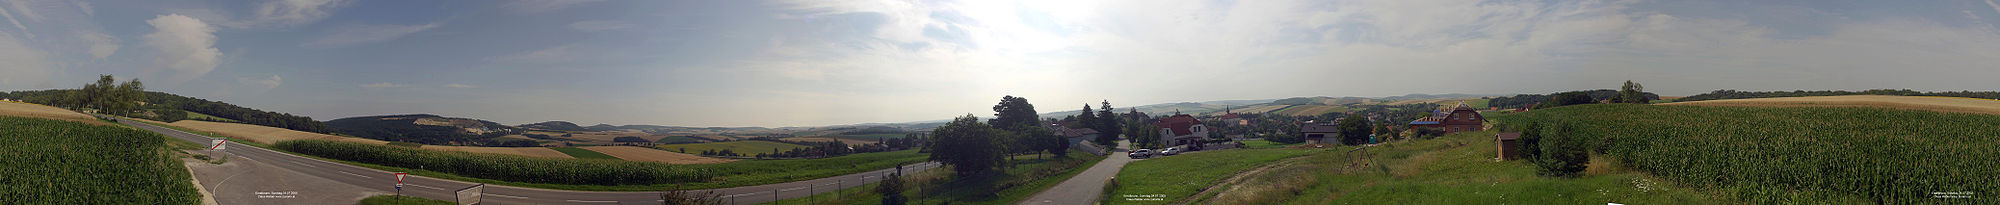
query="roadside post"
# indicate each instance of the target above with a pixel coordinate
(399, 183)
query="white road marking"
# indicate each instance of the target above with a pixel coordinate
(792, 189)
(503, 195)
(589, 201)
(304, 164)
(345, 172)
(426, 187)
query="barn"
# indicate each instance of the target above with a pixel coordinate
(1510, 145)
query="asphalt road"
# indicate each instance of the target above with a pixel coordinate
(1086, 187)
(254, 175)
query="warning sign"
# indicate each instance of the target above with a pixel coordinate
(399, 179)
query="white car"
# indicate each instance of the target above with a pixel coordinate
(1141, 153)
(1170, 151)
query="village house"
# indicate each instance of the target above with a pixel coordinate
(1316, 133)
(1230, 118)
(1181, 129)
(1459, 118)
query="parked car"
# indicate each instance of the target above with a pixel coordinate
(1170, 151)
(1141, 153)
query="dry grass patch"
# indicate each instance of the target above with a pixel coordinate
(1927, 103)
(630, 153)
(263, 134)
(21, 109)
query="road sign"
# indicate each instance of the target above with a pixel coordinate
(216, 144)
(470, 195)
(399, 179)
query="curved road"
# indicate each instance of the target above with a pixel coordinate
(254, 175)
(1086, 187)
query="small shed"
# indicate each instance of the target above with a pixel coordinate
(1510, 145)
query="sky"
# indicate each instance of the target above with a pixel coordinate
(820, 62)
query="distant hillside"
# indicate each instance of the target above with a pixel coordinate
(555, 125)
(1523, 100)
(657, 129)
(160, 100)
(420, 128)
(1287, 106)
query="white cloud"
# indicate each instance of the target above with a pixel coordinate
(25, 8)
(383, 85)
(26, 67)
(87, 10)
(1996, 6)
(538, 6)
(456, 85)
(262, 84)
(288, 13)
(367, 34)
(595, 26)
(556, 54)
(16, 22)
(186, 48)
(101, 45)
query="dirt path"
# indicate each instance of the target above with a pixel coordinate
(1238, 178)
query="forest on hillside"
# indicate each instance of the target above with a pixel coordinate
(159, 100)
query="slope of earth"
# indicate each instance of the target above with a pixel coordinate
(1816, 155)
(419, 128)
(272, 135)
(1940, 104)
(21, 109)
(630, 153)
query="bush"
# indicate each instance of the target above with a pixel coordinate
(891, 189)
(1562, 155)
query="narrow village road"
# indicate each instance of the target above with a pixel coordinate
(1086, 187)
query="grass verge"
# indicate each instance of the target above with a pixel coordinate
(402, 200)
(1029, 176)
(1176, 178)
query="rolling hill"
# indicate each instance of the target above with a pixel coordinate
(555, 125)
(420, 128)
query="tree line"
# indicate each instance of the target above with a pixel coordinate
(973, 148)
(125, 99)
(1591, 96)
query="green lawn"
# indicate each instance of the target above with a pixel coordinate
(402, 200)
(1262, 144)
(1030, 175)
(45, 161)
(1181, 176)
(581, 153)
(745, 148)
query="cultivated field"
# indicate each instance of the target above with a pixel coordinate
(20, 109)
(1172, 176)
(630, 153)
(44, 161)
(273, 135)
(1940, 104)
(1814, 155)
(1258, 109)
(849, 141)
(746, 148)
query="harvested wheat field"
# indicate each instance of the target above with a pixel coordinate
(262, 134)
(630, 153)
(1940, 104)
(20, 109)
(271, 135)
(543, 152)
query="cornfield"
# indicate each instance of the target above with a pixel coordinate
(59, 162)
(500, 167)
(1777, 155)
